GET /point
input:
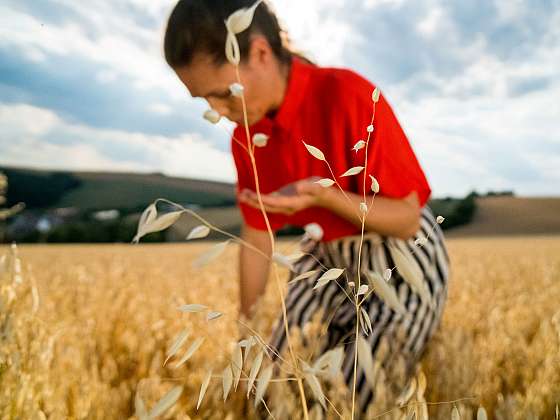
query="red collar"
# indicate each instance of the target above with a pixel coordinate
(298, 79)
(295, 93)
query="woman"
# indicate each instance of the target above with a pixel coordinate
(289, 100)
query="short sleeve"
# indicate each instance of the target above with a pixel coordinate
(245, 179)
(391, 159)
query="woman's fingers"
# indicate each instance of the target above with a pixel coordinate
(269, 208)
(276, 203)
(271, 200)
(279, 201)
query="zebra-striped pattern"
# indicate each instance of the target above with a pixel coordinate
(404, 337)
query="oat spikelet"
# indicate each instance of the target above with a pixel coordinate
(241, 19)
(190, 351)
(423, 411)
(411, 273)
(422, 383)
(407, 394)
(315, 387)
(387, 274)
(329, 275)
(362, 290)
(481, 413)
(374, 184)
(366, 362)
(166, 402)
(359, 145)
(192, 307)
(148, 215)
(176, 345)
(385, 291)
(236, 365)
(211, 254)
(282, 260)
(156, 225)
(140, 408)
(315, 152)
(375, 95)
(213, 315)
(335, 362)
(260, 139)
(227, 378)
(303, 276)
(200, 231)
(314, 231)
(455, 414)
(264, 379)
(254, 370)
(248, 344)
(211, 115)
(325, 182)
(232, 49)
(353, 171)
(365, 321)
(203, 388)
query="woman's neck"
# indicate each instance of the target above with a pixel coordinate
(281, 89)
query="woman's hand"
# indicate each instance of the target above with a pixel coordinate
(289, 199)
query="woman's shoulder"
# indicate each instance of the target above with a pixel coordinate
(342, 80)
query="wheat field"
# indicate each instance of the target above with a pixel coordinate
(86, 328)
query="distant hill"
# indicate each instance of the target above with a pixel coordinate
(226, 218)
(41, 189)
(494, 216)
(512, 216)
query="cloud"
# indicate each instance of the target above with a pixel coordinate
(97, 34)
(102, 65)
(99, 97)
(372, 4)
(37, 137)
(316, 27)
(474, 84)
(159, 108)
(487, 135)
(474, 87)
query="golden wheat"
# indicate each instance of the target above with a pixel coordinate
(88, 327)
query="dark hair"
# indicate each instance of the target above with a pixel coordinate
(198, 26)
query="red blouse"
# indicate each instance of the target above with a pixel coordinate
(329, 108)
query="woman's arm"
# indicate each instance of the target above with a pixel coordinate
(398, 217)
(253, 267)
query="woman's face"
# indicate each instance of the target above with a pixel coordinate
(204, 79)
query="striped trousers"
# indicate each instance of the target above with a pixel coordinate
(396, 341)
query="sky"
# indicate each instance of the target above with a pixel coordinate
(475, 86)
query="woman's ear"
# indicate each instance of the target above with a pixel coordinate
(260, 52)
